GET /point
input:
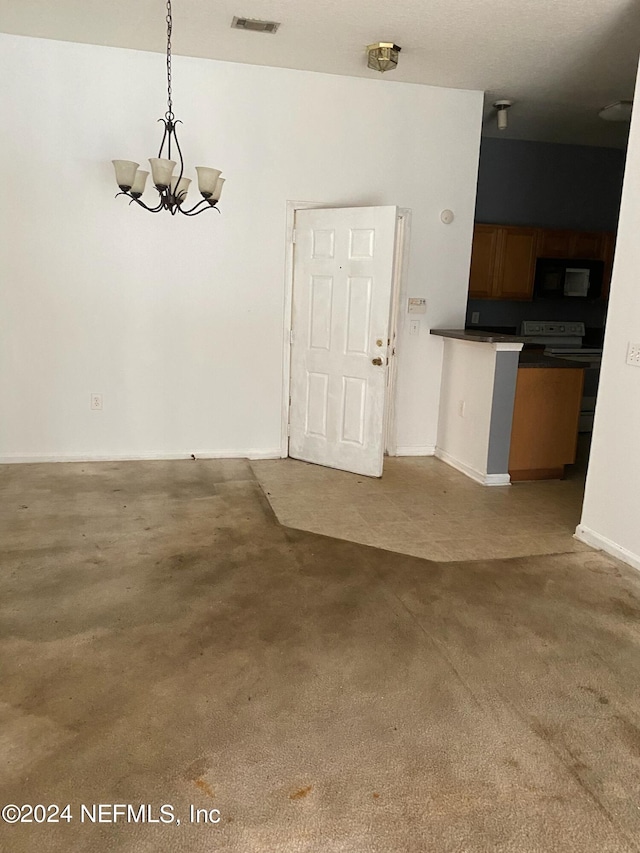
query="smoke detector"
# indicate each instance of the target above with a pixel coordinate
(502, 107)
(254, 25)
(383, 55)
(617, 111)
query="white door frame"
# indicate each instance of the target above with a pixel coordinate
(400, 267)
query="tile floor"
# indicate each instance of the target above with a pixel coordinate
(423, 507)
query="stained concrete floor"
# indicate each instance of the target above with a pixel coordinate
(163, 640)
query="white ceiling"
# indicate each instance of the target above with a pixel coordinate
(560, 61)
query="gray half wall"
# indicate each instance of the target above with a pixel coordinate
(504, 394)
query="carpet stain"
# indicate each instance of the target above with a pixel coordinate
(204, 787)
(302, 793)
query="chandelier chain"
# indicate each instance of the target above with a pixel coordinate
(169, 19)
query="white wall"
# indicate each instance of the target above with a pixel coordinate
(468, 373)
(611, 512)
(478, 381)
(176, 321)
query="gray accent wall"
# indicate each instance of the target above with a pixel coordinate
(549, 185)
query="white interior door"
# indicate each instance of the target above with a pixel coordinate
(342, 285)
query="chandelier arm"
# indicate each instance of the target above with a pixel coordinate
(155, 209)
(175, 137)
(199, 208)
(141, 203)
(164, 137)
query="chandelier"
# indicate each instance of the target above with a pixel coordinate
(172, 189)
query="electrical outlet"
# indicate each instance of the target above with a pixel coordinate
(475, 317)
(461, 407)
(414, 327)
(96, 402)
(633, 355)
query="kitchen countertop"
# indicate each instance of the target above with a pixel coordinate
(478, 337)
(530, 357)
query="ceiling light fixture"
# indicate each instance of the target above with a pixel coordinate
(173, 190)
(383, 55)
(617, 111)
(502, 108)
(254, 25)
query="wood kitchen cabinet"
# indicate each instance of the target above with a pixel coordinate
(503, 262)
(587, 245)
(483, 261)
(546, 415)
(503, 257)
(556, 243)
(517, 263)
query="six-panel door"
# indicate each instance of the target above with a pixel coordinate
(343, 270)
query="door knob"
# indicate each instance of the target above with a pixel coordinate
(376, 361)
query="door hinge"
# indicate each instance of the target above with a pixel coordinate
(288, 429)
(293, 235)
(291, 336)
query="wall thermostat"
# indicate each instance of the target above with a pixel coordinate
(417, 305)
(447, 216)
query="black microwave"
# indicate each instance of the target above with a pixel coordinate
(568, 278)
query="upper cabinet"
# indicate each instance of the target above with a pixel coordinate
(556, 243)
(588, 245)
(483, 261)
(517, 266)
(503, 257)
(503, 262)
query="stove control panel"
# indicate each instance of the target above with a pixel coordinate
(544, 329)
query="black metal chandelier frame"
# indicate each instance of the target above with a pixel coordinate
(171, 199)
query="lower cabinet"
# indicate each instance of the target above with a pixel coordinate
(546, 417)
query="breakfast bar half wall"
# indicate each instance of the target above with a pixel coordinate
(479, 374)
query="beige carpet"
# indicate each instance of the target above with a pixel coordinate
(163, 640)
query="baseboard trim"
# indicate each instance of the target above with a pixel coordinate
(596, 540)
(478, 476)
(416, 450)
(22, 458)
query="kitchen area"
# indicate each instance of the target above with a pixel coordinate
(542, 256)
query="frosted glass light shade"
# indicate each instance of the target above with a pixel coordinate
(139, 183)
(179, 188)
(207, 179)
(161, 171)
(125, 173)
(218, 190)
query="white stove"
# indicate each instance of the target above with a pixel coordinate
(553, 334)
(564, 340)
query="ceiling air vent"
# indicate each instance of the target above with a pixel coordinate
(254, 25)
